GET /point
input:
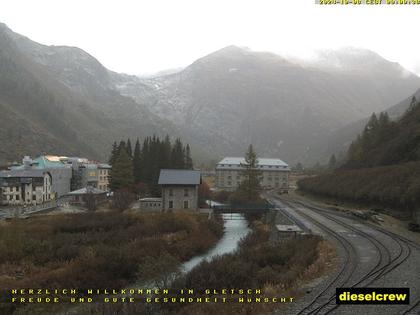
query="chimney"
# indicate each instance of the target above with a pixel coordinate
(27, 161)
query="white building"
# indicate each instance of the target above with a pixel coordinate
(25, 187)
(274, 173)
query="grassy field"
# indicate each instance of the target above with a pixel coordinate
(98, 250)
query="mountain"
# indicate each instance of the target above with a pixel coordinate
(339, 141)
(385, 142)
(382, 166)
(236, 96)
(57, 99)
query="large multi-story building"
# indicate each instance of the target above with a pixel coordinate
(274, 173)
(103, 176)
(89, 174)
(49, 177)
(25, 187)
(56, 166)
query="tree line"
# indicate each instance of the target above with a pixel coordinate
(382, 166)
(138, 168)
(386, 142)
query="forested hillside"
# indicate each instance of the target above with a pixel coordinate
(382, 167)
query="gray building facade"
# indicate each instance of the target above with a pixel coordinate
(179, 189)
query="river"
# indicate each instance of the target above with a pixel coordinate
(234, 231)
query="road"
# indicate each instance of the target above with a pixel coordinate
(369, 256)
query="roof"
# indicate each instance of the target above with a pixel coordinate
(84, 191)
(45, 161)
(179, 177)
(21, 173)
(288, 228)
(235, 162)
(104, 165)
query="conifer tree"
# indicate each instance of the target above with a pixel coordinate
(137, 162)
(250, 188)
(129, 148)
(122, 146)
(332, 163)
(188, 160)
(114, 153)
(177, 155)
(166, 152)
(122, 172)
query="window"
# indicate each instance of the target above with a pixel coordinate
(171, 204)
(17, 197)
(186, 192)
(171, 192)
(33, 197)
(186, 204)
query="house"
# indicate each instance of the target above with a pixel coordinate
(89, 173)
(83, 196)
(274, 173)
(25, 187)
(179, 188)
(103, 176)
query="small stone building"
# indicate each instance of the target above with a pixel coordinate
(179, 188)
(82, 197)
(287, 231)
(150, 204)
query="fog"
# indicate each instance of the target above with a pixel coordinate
(143, 37)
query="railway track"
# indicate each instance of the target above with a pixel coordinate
(323, 302)
(402, 242)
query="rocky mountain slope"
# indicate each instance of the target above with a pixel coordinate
(236, 96)
(61, 100)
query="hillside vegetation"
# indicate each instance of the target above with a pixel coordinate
(98, 250)
(382, 166)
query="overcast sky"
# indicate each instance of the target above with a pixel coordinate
(145, 36)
